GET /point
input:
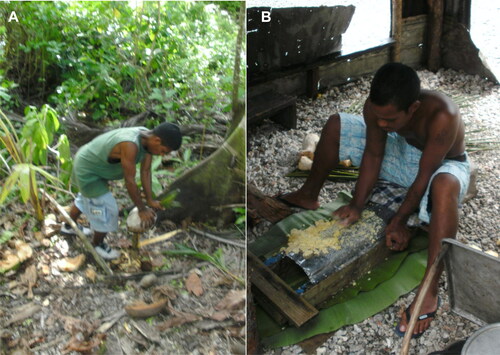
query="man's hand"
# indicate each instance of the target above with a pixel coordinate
(154, 204)
(397, 235)
(348, 214)
(148, 217)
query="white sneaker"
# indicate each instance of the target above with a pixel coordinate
(105, 251)
(66, 229)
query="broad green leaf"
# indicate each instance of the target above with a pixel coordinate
(9, 183)
(369, 295)
(271, 242)
(365, 305)
(45, 174)
(24, 181)
(169, 198)
(64, 149)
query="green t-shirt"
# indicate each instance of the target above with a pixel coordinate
(91, 168)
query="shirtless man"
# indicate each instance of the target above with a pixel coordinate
(113, 156)
(412, 137)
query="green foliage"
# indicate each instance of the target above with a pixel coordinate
(109, 60)
(6, 99)
(217, 259)
(5, 236)
(38, 132)
(26, 151)
(240, 217)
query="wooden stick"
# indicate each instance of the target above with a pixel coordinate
(79, 233)
(219, 239)
(420, 300)
(160, 238)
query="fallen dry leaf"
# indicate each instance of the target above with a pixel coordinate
(234, 299)
(140, 309)
(45, 269)
(83, 346)
(71, 264)
(178, 320)
(23, 312)
(12, 258)
(29, 278)
(39, 236)
(239, 317)
(90, 274)
(122, 243)
(164, 291)
(23, 249)
(221, 315)
(193, 284)
(50, 227)
(9, 261)
(237, 332)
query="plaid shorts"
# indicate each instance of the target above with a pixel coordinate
(401, 160)
(101, 211)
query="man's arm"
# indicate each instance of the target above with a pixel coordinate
(146, 177)
(370, 164)
(441, 136)
(368, 171)
(146, 182)
(128, 153)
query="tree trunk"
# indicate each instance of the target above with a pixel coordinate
(205, 190)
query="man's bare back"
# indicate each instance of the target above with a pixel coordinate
(422, 123)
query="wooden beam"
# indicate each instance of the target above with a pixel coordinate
(396, 28)
(283, 298)
(436, 9)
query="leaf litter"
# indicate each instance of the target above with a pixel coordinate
(84, 311)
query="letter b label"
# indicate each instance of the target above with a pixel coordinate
(266, 16)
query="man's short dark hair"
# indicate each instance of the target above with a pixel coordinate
(170, 135)
(396, 84)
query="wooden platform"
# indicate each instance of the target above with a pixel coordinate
(270, 104)
(276, 297)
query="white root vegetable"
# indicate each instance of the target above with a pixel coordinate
(305, 163)
(310, 142)
(307, 153)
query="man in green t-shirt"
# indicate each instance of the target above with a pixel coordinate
(113, 156)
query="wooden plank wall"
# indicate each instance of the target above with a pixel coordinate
(343, 70)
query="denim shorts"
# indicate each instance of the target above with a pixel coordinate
(401, 160)
(101, 211)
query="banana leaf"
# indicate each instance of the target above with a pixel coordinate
(364, 305)
(276, 237)
(377, 290)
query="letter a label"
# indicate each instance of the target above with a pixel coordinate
(13, 17)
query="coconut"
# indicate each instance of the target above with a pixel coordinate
(134, 221)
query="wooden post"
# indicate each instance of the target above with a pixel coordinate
(396, 29)
(435, 23)
(312, 83)
(79, 233)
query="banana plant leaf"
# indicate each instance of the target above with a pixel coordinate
(364, 305)
(377, 290)
(276, 237)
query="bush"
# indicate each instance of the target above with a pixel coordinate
(109, 60)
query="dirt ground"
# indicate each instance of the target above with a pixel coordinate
(70, 312)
